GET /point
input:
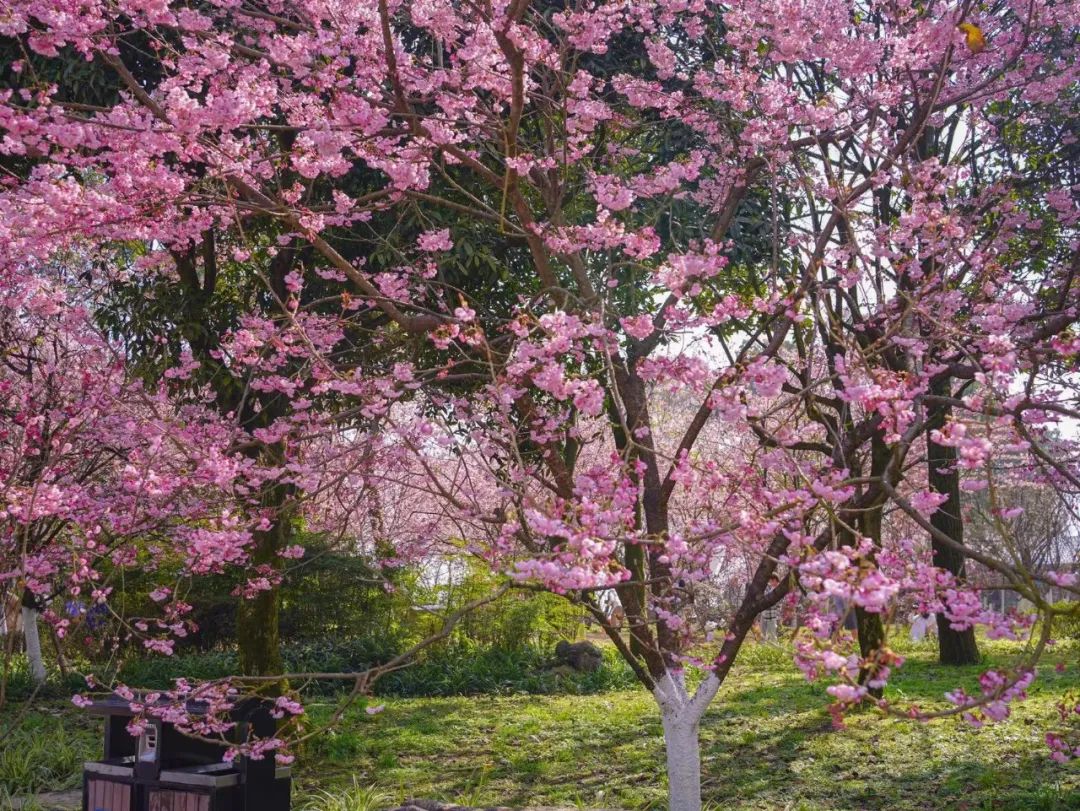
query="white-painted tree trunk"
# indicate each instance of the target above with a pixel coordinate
(681, 715)
(683, 762)
(33, 644)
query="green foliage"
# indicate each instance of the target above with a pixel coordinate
(337, 617)
(45, 752)
(326, 595)
(520, 620)
(159, 672)
(1067, 624)
(342, 656)
(499, 671)
(351, 798)
(20, 687)
(331, 595)
(457, 670)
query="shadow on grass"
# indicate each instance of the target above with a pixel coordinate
(872, 783)
(767, 743)
(774, 746)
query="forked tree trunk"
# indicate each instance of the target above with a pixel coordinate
(680, 715)
(33, 639)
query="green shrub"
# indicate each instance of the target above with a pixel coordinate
(1067, 625)
(519, 620)
(330, 595)
(327, 594)
(20, 687)
(159, 672)
(496, 671)
(338, 656)
(449, 670)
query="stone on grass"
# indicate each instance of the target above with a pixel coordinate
(584, 657)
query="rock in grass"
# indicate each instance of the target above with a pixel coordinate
(584, 657)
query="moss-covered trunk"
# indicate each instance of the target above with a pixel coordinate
(257, 618)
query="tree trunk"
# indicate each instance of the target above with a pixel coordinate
(257, 618)
(33, 639)
(683, 762)
(871, 628)
(58, 646)
(871, 632)
(954, 647)
(680, 716)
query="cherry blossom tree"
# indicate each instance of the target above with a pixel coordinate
(98, 471)
(811, 221)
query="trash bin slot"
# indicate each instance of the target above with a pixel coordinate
(211, 768)
(119, 767)
(202, 776)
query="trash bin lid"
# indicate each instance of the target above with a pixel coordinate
(116, 767)
(210, 775)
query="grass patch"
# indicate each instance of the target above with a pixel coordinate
(46, 751)
(767, 743)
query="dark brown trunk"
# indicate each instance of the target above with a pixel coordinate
(871, 632)
(954, 647)
(661, 654)
(870, 627)
(632, 595)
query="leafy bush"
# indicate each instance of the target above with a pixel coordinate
(497, 671)
(1067, 625)
(456, 670)
(331, 595)
(344, 656)
(519, 620)
(159, 672)
(327, 594)
(20, 687)
(338, 656)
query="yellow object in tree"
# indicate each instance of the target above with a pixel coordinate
(976, 42)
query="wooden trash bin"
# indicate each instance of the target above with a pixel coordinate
(164, 770)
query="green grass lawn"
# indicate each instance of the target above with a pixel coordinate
(767, 744)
